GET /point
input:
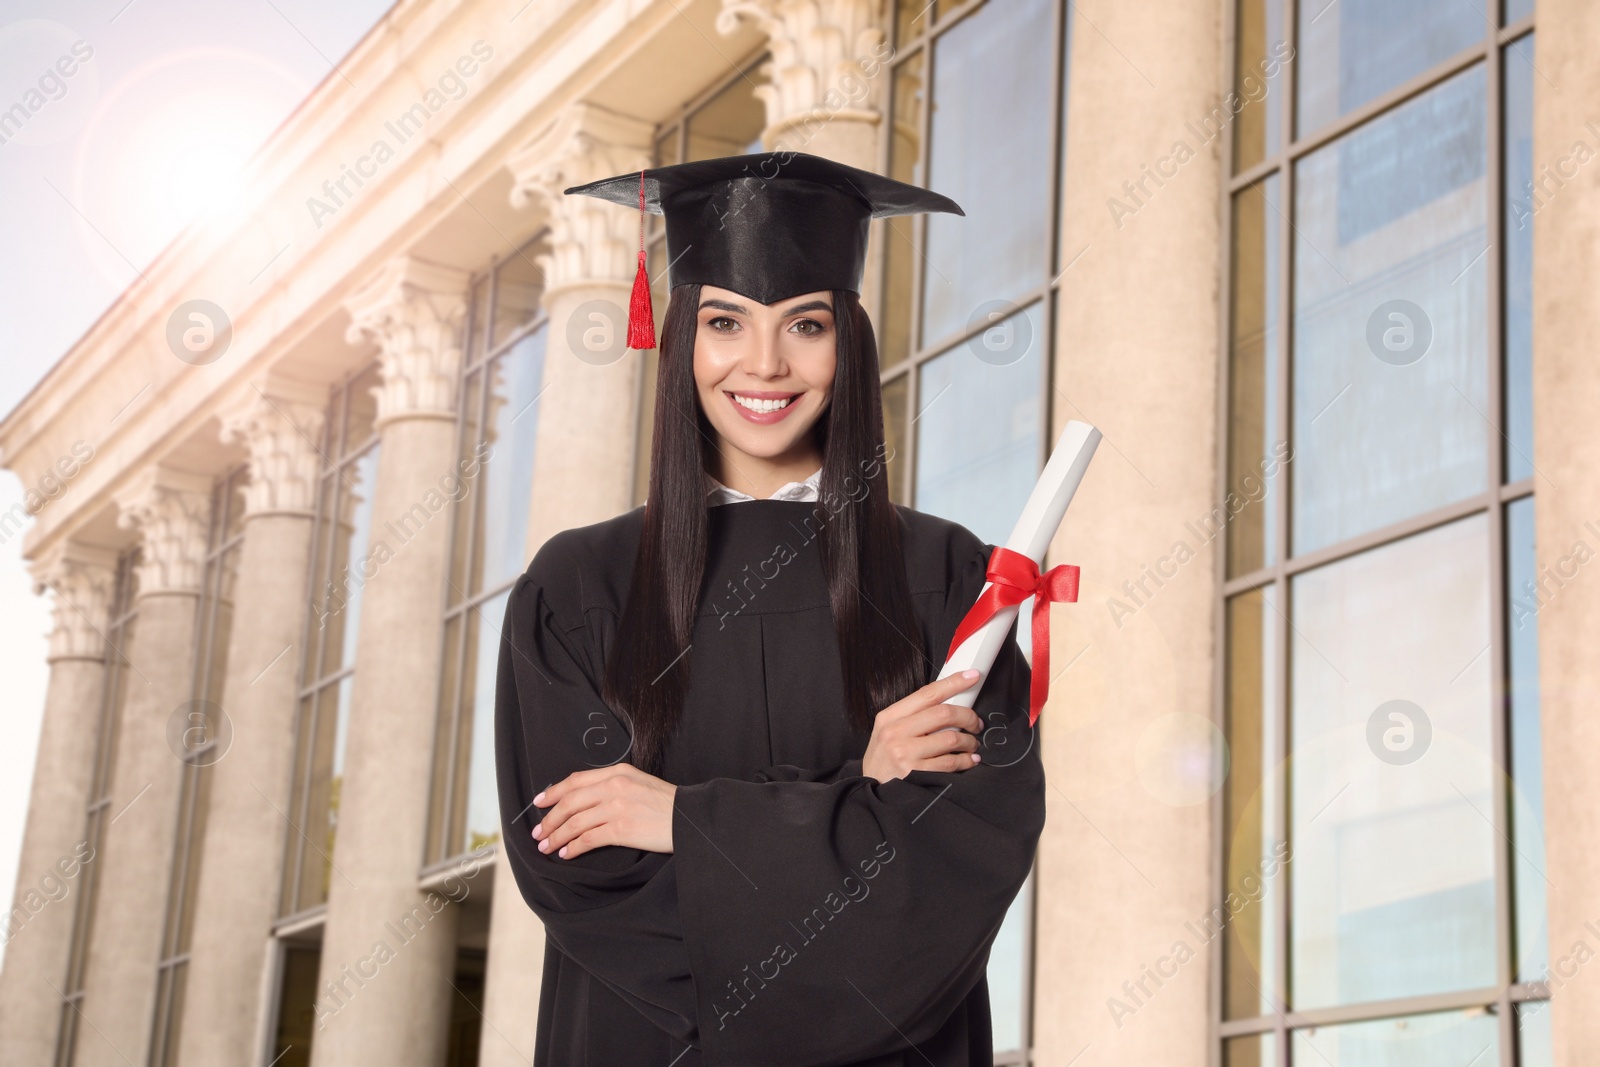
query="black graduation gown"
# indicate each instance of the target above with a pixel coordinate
(809, 915)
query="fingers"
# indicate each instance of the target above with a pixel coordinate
(942, 717)
(558, 839)
(551, 795)
(935, 692)
(960, 761)
(943, 743)
(567, 807)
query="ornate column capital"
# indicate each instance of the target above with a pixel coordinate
(829, 59)
(279, 421)
(171, 509)
(413, 309)
(591, 242)
(83, 579)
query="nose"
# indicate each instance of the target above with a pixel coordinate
(764, 359)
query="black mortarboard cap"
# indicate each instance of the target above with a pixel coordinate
(767, 226)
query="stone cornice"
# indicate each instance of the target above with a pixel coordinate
(281, 280)
(171, 509)
(280, 422)
(413, 310)
(83, 580)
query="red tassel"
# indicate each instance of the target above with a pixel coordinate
(641, 316)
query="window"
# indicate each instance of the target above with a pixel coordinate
(968, 304)
(499, 423)
(340, 569)
(1380, 602)
(119, 634)
(202, 744)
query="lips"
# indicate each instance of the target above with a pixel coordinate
(763, 407)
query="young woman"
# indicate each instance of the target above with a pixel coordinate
(753, 829)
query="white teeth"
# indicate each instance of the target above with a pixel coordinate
(761, 405)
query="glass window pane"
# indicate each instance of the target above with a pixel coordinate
(1517, 10)
(518, 289)
(899, 232)
(1254, 844)
(462, 513)
(1357, 50)
(350, 566)
(1464, 1037)
(1258, 1050)
(1533, 1035)
(911, 19)
(1390, 260)
(1521, 203)
(1523, 600)
(326, 776)
(730, 123)
(894, 435)
(1393, 854)
(438, 846)
(320, 601)
(477, 803)
(1008, 973)
(979, 427)
(505, 481)
(998, 251)
(1255, 432)
(1258, 79)
(478, 322)
(295, 850)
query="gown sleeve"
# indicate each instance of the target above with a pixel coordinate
(613, 910)
(830, 921)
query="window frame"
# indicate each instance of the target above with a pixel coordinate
(481, 350)
(920, 46)
(1277, 577)
(338, 456)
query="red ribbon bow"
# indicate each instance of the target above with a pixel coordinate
(1014, 578)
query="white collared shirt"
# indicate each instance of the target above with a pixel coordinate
(717, 493)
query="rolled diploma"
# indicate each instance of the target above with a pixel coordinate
(1041, 518)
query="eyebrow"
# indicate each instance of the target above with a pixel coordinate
(740, 309)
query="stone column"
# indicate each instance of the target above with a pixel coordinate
(1566, 390)
(171, 509)
(1124, 863)
(38, 931)
(588, 411)
(829, 74)
(388, 948)
(280, 423)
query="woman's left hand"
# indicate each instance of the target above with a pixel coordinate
(616, 805)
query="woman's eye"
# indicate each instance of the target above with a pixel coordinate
(722, 324)
(808, 327)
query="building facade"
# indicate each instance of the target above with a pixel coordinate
(1322, 770)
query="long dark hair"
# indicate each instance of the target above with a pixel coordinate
(647, 672)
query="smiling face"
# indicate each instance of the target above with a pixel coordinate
(764, 374)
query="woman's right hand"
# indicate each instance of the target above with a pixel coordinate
(914, 733)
